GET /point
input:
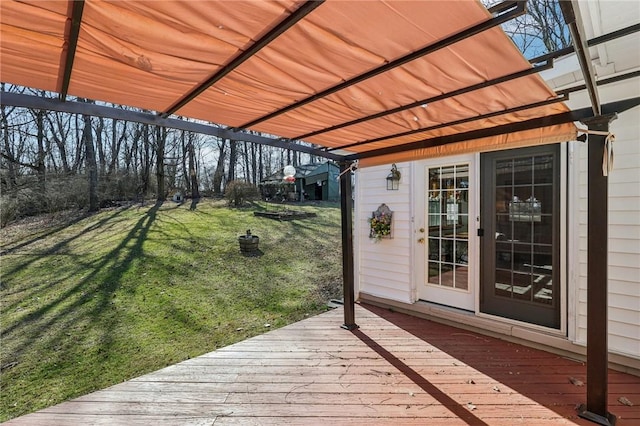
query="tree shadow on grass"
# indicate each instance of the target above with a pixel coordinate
(63, 312)
(58, 248)
(56, 229)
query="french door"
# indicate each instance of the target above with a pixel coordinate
(447, 237)
(520, 244)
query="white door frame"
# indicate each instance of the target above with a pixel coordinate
(467, 300)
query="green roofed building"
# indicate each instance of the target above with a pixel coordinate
(315, 181)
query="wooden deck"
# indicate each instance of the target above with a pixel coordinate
(396, 369)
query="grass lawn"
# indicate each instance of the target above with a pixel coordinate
(88, 302)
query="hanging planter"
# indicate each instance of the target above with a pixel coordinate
(380, 223)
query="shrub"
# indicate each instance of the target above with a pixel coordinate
(26, 200)
(66, 192)
(117, 188)
(239, 192)
(8, 211)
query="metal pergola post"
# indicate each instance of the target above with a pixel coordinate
(595, 409)
(597, 288)
(346, 214)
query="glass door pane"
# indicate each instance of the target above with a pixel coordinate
(448, 221)
(520, 208)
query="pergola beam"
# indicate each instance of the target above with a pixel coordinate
(36, 102)
(604, 81)
(582, 51)
(565, 117)
(562, 98)
(632, 29)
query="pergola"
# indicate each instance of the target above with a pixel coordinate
(370, 82)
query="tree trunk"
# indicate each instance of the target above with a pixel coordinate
(116, 144)
(100, 146)
(79, 157)
(161, 138)
(218, 174)
(185, 156)
(260, 164)
(233, 159)
(145, 161)
(193, 175)
(254, 165)
(40, 164)
(12, 179)
(247, 169)
(91, 164)
(59, 133)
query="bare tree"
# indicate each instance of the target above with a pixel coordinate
(118, 135)
(91, 164)
(233, 159)
(260, 164)
(184, 158)
(247, 167)
(218, 174)
(41, 154)
(102, 160)
(161, 139)
(79, 145)
(8, 148)
(59, 132)
(541, 30)
(145, 161)
(193, 173)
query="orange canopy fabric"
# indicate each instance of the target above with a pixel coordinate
(151, 54)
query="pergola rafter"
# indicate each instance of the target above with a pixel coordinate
(72, 31)
(424, 102)
(306, 8)
(504, 12)
(541, 63)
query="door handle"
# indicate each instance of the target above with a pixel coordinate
(421, 240)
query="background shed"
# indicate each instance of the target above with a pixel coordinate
(317, 181)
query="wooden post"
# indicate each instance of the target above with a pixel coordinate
(346, 210)
(597, 288)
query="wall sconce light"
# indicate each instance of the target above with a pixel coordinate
(393, 180)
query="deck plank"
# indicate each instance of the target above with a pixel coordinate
(395, 369)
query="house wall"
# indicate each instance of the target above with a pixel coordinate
(383, 269)
(624, 228)
(384, 266)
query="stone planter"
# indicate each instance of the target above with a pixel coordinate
(248, 243)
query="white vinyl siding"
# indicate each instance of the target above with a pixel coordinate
(624, 240)
(383, 267)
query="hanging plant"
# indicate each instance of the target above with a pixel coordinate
(380, 223)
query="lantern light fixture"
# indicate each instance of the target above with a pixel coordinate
(393, 179)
